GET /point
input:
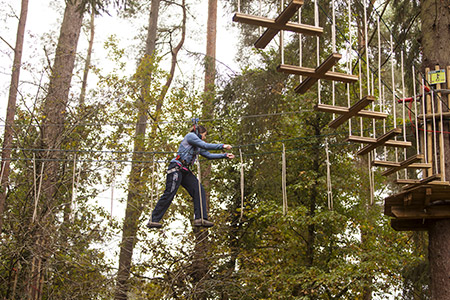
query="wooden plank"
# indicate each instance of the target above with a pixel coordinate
(343, 110)
(369, 140)
(380, 141)
(270, 23)
(416, 181)
(310, 72)
(420, 166)
(423, 181)
(353, 111)
(283, 18)
(402, 165)
(385, 163)
(409, 225)
(324, 67)
(407, 181)
(430, 212)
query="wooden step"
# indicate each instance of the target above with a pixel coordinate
(416, 181)
(380, 141)
(426, 180)
(369, 140)
(287, 13)
(343, 110)
(392, 164)
(353, 111)
(319, 72)
(310, 72)
(270, 23)
(404, 164)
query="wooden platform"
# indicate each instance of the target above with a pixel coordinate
(344, 110)
(380, 141)
(413, 208)
(369, 140)
(279, 23)
(404, 164)
(352, 111)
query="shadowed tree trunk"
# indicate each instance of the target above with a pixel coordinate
(435, 44)
(54, 110)
(87, 64)
(135, 198)
(11, 109)
(200, 264)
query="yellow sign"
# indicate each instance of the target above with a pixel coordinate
(437, 76)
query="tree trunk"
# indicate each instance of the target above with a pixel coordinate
(200, 264)
(11, 109)
(87, 64)
(435, 42)
(134, 198)
(54, 110)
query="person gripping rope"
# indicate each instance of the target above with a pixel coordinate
(179, 173)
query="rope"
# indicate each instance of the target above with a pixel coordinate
(200, 188)
(38, 193)
(403, 107)
(329, 187)
(371, 179)
(415, 110)
(316, 22)
(152, 187)
(283, 180)
(74, 191)
(242, 186)
(282, 37)
(35, 187)
(113, 186)
(434, 132)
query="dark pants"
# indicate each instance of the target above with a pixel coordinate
(174, 179)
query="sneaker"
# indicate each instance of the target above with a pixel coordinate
(203, 222)
(151, 224)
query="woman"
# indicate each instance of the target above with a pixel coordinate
(179, 173)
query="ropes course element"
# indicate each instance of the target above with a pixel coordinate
(329, 187)
(199, 172)
(113, 186)
(430, 149)
(242, 185)
(283, 180)
(74, 187)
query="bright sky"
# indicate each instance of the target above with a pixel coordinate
(43, 19)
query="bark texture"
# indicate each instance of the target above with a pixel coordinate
(134, 201)
(54, 110)
(435, 42)
(11, 109)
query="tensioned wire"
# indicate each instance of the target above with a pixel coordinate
(338, 144)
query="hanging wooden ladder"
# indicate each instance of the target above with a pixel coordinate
(280, 23)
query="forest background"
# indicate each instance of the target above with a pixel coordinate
(65, 241)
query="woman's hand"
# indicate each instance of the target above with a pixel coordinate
(228, 147)
(230, 155)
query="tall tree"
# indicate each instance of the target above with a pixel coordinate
(54, 111)
(87, 64)
(435, 41)
(11, 109)
(134, 197)
(200, 264)
(137, 177)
